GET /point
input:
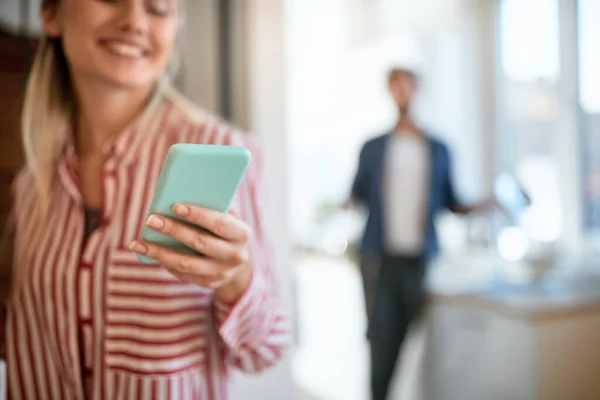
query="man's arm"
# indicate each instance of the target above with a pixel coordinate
(486, 204)
(358, 193)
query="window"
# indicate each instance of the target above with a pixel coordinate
(528, 106)
(589, 105)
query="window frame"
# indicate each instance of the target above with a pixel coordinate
(568, 145)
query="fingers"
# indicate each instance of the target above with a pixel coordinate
(220, 238)
(190, 268)
(207, 282)
(223, 225)
(203, 242)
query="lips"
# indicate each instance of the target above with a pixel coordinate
(125, 49)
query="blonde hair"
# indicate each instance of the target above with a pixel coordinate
(47, 113)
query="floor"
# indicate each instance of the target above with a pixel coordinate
(331, 361)
(303, 395)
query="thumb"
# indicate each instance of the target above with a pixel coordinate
(235, 211)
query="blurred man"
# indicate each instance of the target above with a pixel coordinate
(404, 180)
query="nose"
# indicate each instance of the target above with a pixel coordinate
(134, 18)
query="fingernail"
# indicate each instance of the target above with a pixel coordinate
(138, 247)
(155, 222)
(181, 210)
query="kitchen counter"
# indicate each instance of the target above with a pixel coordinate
(492, 338)
(481, 278)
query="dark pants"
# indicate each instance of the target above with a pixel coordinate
(397, 301)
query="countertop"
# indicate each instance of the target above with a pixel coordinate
(481, 279)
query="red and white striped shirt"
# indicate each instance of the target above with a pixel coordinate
(88, 321)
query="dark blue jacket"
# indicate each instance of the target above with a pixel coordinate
(368, 189)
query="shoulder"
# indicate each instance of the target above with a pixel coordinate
(438, 144)
(23, 196)
(434, 138)
(375, 142)
(22, 182)
(193, 124)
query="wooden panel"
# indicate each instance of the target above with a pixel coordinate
(16, 54)
(569, 358)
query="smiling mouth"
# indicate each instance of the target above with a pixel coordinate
(125, 49)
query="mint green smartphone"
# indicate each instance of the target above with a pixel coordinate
(203, 175)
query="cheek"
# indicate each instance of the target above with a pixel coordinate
(408, 90)
(75, 39)
(78, 24)
(399, 96)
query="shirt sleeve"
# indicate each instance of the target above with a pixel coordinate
(359, 190)
(256, 330)
(451, 201)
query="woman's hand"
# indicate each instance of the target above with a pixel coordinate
(222, 239)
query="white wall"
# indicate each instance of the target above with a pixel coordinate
(198, 47)
(424, 16)
(10, 15)
(316, 43)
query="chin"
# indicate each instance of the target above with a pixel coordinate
(131, 81)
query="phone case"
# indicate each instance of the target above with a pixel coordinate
(196, 174)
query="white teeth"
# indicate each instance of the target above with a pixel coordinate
(125, 49)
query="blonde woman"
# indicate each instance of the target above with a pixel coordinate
(85, 319)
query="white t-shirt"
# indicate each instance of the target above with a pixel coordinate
(406, 187)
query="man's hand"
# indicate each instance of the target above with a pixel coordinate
(349, 204)
(484, 205)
